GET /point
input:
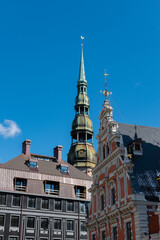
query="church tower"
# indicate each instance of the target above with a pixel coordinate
(82, 154)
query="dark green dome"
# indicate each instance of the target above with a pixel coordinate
(87, 150)
(82, 122)
(82, 99)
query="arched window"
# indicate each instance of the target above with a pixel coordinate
(104, 154)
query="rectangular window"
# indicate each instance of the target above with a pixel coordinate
(93, 237)
(137, 147)
(2, 199)
(64, 169)
(45, 203)
(70, 206)
(16, 201)
(83, 227)
(115, 235)
(128, 231)
(33, 164)
(14, 221)
(103, 235)
(52, 188)
(30, 222)
(113, 196)
(31, 202)
(70, 225)
(29, 238)
(82, 207)
(102, 202)
(44, 223)
(57, 224)
(13, 238)
(20, 184)
(2, 220)
(57, 205)
(80, 191)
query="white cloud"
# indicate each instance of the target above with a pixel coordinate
(9, 128)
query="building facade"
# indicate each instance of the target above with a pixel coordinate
(82, 153)
(42, 197)
(125, 190)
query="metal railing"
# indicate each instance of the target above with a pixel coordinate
(80, 195)
(52, 191)
(20, 188)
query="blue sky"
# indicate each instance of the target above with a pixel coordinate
(39, 65)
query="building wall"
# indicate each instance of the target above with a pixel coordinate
(36, 188)
(113, 171)
(35, 182)
(23, 211)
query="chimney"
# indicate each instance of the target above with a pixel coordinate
(58, 153)
(26, 147)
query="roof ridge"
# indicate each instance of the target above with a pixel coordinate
(138, 125)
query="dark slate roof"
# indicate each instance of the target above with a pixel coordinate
(44, 167)
(146, 167)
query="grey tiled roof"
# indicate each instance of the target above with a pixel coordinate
(146, 166)
(44, 167)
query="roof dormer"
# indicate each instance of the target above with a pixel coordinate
(63, 168)
(32, 163)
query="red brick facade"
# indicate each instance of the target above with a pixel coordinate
(116, 212)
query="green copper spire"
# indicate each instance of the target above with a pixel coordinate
(81, 153)
(81, 69)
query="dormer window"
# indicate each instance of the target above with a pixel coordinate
(33, 164)
(63, 168)
(137, 147)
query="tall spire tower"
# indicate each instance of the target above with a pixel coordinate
(81, 153)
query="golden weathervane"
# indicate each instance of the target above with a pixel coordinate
(106, 93)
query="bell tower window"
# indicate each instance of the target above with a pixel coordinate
(81, 110)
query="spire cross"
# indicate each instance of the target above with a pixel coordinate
(105, 75)
(105, 92)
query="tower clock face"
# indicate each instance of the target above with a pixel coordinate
(81, 153)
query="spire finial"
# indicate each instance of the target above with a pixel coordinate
(106, 93)
(81, 69)
(82, 38)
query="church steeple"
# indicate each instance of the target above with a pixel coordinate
(81, 154)
(81, 68)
